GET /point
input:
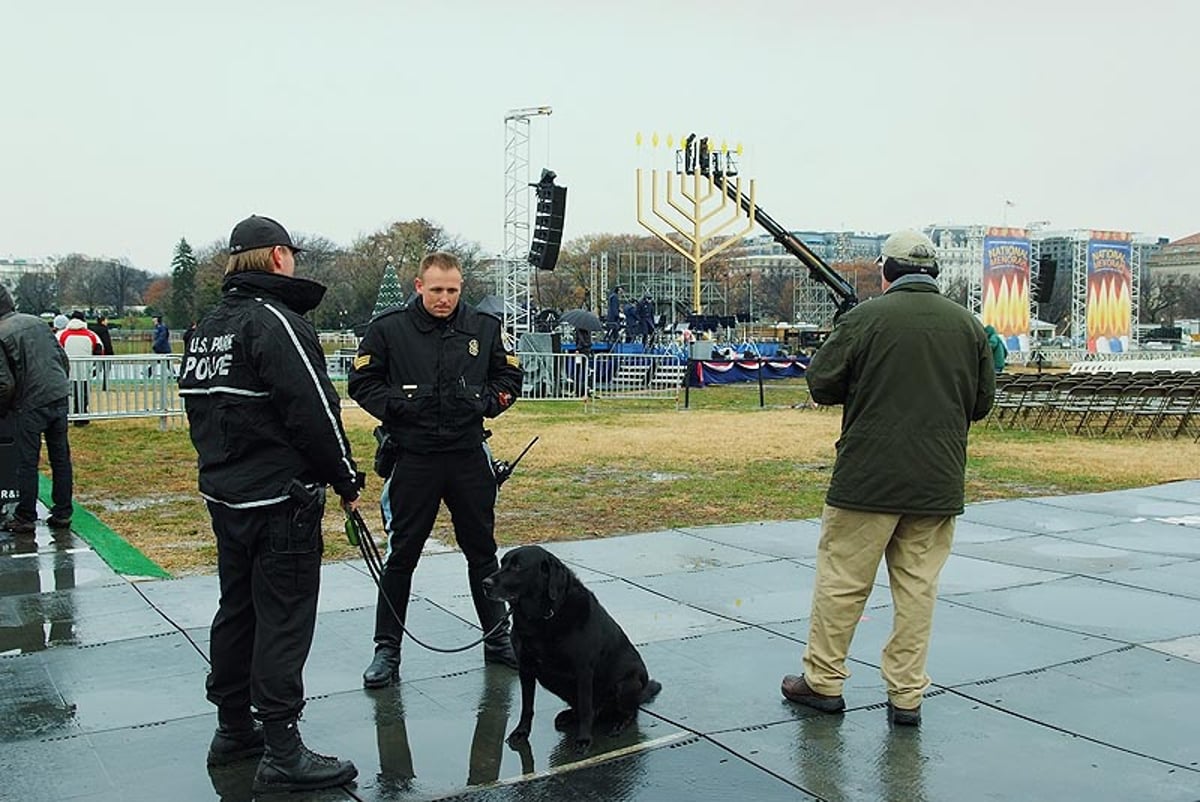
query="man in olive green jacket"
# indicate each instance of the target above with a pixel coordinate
(912, 370)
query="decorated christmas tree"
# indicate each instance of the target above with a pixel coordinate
(390, 292)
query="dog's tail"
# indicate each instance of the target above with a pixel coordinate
(651, 690)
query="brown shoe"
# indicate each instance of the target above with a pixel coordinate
(795, 689)
(903, 716)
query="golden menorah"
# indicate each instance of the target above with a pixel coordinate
(703, 208)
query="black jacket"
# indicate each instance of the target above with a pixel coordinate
(105, 337)
(261, 408)
(431, 381)
(33, 366)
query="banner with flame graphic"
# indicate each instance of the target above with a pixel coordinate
(1005, 299)
(1109, 301)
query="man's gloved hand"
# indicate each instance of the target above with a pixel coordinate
(351, 503)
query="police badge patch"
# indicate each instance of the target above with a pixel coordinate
(473, 347)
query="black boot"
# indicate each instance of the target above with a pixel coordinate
(289, 765)
(497, 647)
(384, 669)
(238, 736)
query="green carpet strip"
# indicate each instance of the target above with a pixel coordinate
(122, 557)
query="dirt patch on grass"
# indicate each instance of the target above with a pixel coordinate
(605, 472)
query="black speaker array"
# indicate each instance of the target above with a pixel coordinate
(1047, 271)
(548, 222)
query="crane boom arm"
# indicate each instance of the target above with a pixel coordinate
(845, 296)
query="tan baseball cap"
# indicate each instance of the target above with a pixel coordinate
(910, 248)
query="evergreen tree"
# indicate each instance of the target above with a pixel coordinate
(390, 292)
(183, 286)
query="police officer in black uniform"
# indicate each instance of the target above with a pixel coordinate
(266, 425)
(431, 371)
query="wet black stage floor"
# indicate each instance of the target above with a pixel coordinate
(1066, 663)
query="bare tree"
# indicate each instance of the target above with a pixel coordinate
(37, 293)
(122, 284)
(957, 289)
(1168, 298)
(773, 293)
(76, 275)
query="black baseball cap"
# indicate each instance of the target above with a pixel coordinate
(259, 232)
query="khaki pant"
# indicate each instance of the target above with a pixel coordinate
(852, 543)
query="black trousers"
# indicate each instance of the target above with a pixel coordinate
(29, 428)
(269, 562)
(411, 498)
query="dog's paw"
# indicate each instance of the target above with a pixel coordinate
(620, 725)
(518, 736)
(583, 743)
(566, 720)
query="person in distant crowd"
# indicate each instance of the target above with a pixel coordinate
(101, 329)
(161, 338)
(266, 424)
(612, 317)
(633, 326)
(999, 349)
(431, 372)
(81, 344)
(645, 310)
(33, 393)
(912, 370)
(583, 341)
(60, 323)
(160, 342)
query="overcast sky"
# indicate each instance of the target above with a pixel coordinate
(128, 124)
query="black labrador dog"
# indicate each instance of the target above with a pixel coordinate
(567, 641)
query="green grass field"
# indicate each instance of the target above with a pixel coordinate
(611, 468)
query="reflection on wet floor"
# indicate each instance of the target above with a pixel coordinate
(1066, 654)
(38, 612)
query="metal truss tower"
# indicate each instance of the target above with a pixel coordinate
(812, 301)
(974, 255)
(1135, 291)
(668, 278)
(1079, 285)
(517, 178)
(1035, 280)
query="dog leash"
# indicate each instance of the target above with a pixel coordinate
(359, 535)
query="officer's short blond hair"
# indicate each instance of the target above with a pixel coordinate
(441, 260)
(257, 260)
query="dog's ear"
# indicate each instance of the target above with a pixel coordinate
(556, 580)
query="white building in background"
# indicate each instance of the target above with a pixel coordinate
(11, 270)
(960, 252)
(1179, 258)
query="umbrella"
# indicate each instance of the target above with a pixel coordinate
(582, 319)
(491, 305)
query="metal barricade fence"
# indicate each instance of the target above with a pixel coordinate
(580, 377)
(141, 386)
(145, 386)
